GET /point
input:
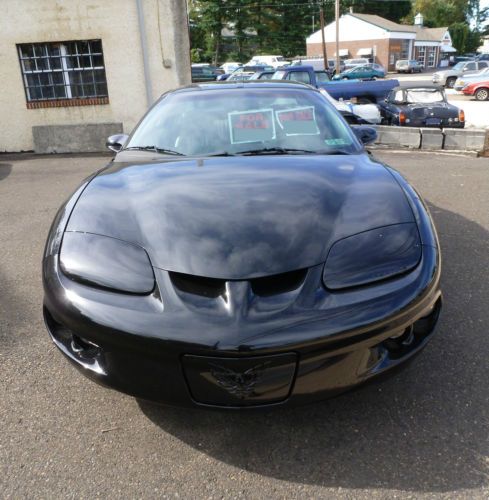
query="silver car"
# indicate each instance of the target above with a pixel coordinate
(464, 80)
(448, 77)
(408, 66)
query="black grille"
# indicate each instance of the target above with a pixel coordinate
(278, 283)
(198, 285)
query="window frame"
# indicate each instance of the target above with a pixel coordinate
(66, 59)
(431, 59)
(421, 54)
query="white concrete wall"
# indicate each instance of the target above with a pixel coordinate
(115, 22)
(354, 29)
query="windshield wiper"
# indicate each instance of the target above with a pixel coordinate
(220, 153)
(155, 149)
(332, 152)
(277, 151)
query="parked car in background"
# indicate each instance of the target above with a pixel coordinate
(302, 74)
(448, 77)
(480, 90)
(483, 57)
(318, 64)
(421, 106)
(240, 76)
(229, 67)
(464, 80)
(366, 91)
(254, 68)
(353, 63)
(275, 61)
(458, 59)
(205, 73)
(368, 71)
(262, 75)
(332, 66)
(408, 66)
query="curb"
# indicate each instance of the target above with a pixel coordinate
(434, 139)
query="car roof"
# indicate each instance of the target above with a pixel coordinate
(418, 86)
(255, 84)
(301, 67)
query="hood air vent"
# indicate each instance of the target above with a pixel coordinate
(198, 285)
(278, 283)
(263, 287)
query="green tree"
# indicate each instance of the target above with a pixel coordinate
(394, 11)
(438, 13)
(208, 17)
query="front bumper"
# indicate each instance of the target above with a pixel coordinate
(300, 346)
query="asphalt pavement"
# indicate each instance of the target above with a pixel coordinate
(421, 434)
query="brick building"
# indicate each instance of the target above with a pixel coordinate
(383, 41)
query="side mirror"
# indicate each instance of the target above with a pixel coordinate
(365, 134)
(116, 142)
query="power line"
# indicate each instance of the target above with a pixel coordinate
(308, 4)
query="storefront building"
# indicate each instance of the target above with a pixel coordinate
(383, 41)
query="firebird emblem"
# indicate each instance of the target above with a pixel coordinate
(240, 384)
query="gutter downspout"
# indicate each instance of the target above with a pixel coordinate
(144, 47)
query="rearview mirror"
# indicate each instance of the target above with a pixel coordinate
(116, 142)
(365, 134)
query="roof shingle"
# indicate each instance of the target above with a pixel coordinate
(384, 23)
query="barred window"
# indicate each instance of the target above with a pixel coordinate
(421, 55)
(431, 57)
(63, 70)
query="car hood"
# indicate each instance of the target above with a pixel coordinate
(240, 217)
(448, 72)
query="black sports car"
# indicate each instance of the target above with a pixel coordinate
(241, 250)
(421, 106)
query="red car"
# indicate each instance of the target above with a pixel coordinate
(480, 90)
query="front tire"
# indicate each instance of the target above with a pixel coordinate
(451, 82)
(482, 94)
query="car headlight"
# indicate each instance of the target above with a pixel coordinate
(372, 256)
(106, 262)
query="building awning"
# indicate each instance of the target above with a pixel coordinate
(447, 48)
(343, 52)
(364, 52)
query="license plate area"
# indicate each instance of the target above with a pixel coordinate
(247, 381)
(433, 121)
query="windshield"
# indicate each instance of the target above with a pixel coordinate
(424, 96)
(279, 75)
(234, 121)
(459, 65)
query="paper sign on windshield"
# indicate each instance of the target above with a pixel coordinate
(251, 126)
(298, 121)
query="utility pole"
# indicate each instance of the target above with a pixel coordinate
(337, 18)
(321, 18)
